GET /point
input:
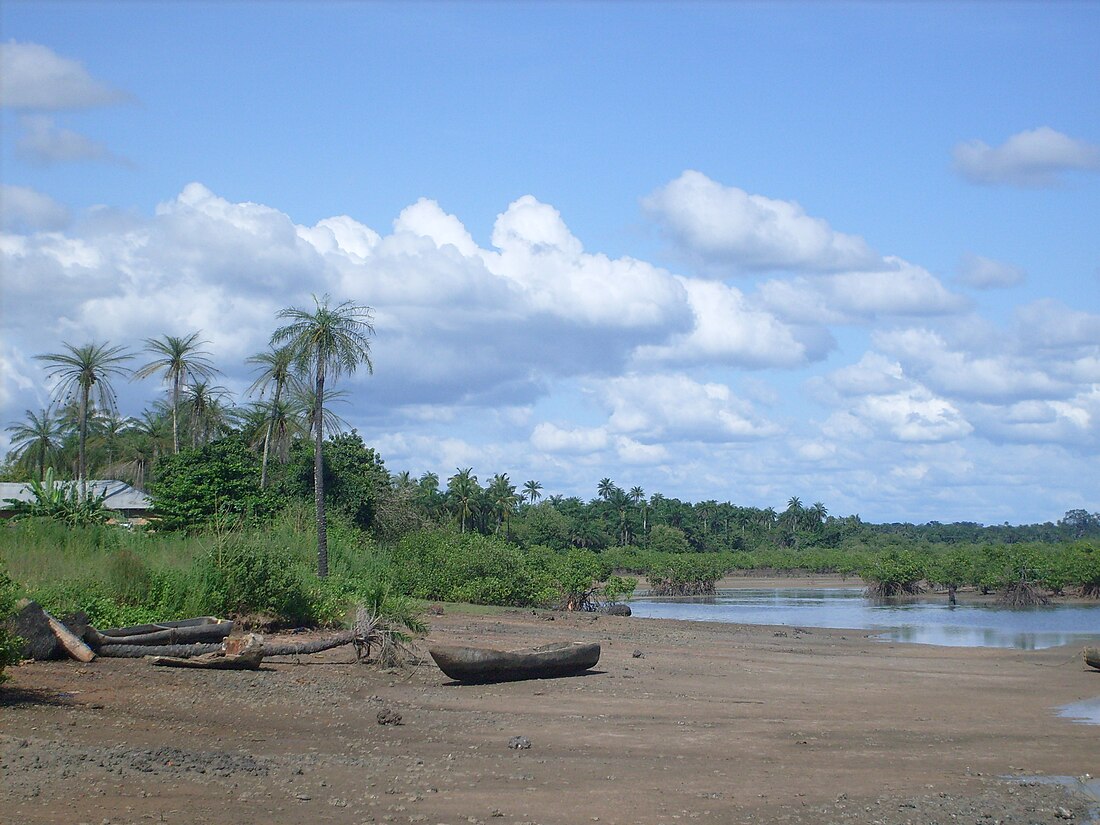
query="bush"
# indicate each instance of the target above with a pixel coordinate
(894, 573)
(246, 574)
(9, 644)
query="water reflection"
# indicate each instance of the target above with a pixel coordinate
(916, 621)
(1087, 711)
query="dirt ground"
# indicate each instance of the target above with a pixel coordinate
(679, 721)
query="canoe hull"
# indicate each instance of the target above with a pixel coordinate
(1092, 657)
(480, 664)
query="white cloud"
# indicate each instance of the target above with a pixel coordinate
(1000, 376)
(878, 399)
(725, 226)
(900, 289)
(985, 273)
(1051, 325)
(42, 142)
(675, 407)
(33, 76)
(550, 438)
(728, 331)
(1034, 158)
(23, 209)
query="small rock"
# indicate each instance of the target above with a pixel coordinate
(637, 654)
(519, 743)
(1063, 813)
(388, 717)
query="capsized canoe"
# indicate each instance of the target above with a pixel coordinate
(482, 664)
(1092, 657)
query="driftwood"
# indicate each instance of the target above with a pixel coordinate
(140, 651)
(345, 637)
(76, 648)
(239, 654)
(209, 632)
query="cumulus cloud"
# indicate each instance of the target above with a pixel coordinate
(878, 400)
(1033, 158)
(33, 76)
(898, 289)
(552, 438)
(25, 210)
(995, 376)
(728, 331)
(44, 143)
(727, 227)
(985, 273)
(678, 408)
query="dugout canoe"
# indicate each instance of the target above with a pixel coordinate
(1092, 657)
(188, 631)
(483, 664)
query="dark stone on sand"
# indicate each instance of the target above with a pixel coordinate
(31, 625)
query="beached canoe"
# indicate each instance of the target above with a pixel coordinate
(237, 654)
(1092, 657)
(482, 664)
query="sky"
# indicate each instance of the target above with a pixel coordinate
(848, 252)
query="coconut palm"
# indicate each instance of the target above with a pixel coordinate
(463, 490)
(275, 369)
(37, 442)
(503, 498)
(637, 495)
(84, 373)
(179, 359)
(532, 491)
(325, 342)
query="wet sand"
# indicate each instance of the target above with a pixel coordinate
(679, 721)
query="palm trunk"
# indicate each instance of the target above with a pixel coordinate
(318, 478)
(82, 467)
(175, 414)
(267, 435)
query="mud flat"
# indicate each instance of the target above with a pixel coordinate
(711, 722)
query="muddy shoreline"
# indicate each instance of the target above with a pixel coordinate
(713, 722)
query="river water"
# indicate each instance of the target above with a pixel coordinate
(920, 622)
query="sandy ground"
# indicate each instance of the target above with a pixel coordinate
(711, 722)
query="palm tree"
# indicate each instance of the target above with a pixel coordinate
(463, 489)
(85, 372)
(276, 372)
(532, 491)
(637, 495)
(207, 413)
(819, 513)
(502, 495)
(180, 360)
(37, 442)
(605, 488)
(328, 341)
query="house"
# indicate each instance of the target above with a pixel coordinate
(133, 505)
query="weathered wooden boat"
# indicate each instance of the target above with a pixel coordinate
(238, 654)
(1092, 657)
(482, 664)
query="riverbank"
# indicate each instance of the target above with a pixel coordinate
(711, 722)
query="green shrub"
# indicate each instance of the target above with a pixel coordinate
(9, 644)
(246, 574)
(894, 573)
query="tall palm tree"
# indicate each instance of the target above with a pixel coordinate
(502, 495)
(85, 372)
(37, 442)
(179, 359)
(637, 495)
(532, 491)
(325, 342)
(275, 369)
(463, 490)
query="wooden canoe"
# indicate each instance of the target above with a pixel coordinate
(1092, 657)
(188, 631)
(482, 664)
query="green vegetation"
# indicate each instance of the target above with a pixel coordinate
(272, 510)
(9, 644)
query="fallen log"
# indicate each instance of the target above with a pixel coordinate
(345, 637)
(76, 648)
(240, 654)
(141, 651)
(209, 632)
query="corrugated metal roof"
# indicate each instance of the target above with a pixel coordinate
(119, 494)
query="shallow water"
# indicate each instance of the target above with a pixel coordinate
(1086, 711)
(920, 622)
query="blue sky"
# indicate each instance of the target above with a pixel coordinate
(848, 252)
